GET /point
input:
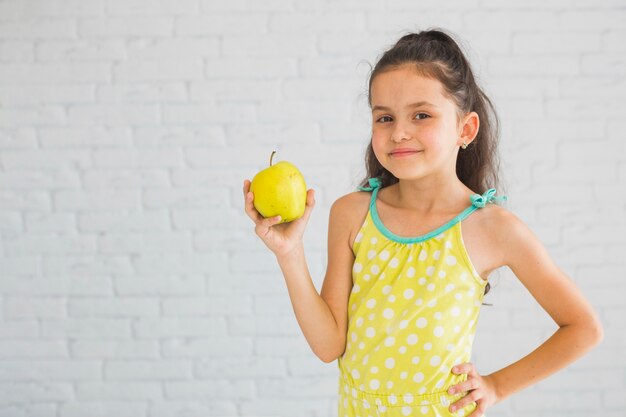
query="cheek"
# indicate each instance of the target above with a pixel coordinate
(378, 146)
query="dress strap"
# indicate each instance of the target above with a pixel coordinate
(479, 201)
(488, 196)
(374, 183)
(374, 186)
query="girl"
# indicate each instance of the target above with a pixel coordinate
(410, 254)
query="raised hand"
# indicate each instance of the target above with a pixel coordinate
(279, 238)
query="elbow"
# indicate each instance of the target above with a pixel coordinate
(592, 333)
(328, 358)
(597, 332)
(331, 356)
(589, 333)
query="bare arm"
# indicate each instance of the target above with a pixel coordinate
(322, 318)
(579, 327)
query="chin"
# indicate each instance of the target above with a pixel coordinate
(404, 175)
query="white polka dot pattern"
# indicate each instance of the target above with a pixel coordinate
(412, 316)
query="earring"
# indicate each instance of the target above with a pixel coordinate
(464, 145)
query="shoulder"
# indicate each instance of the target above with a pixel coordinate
(496, 218)
(349, 211)
(490, 228)
(510, 233)
(505, 223)
(353, 200)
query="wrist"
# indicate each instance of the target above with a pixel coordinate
(498, 387)
(290, 254)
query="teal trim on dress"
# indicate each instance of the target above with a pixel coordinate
(477, 200)
(374, 183)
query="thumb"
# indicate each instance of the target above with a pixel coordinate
(310, 197)
(310, 203)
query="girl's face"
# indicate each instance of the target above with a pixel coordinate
(410, 113)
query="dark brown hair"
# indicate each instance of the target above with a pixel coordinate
(435, 54)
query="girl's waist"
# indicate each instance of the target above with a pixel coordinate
(401, 396)
(392, 355)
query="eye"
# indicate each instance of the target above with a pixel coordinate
(418, 116)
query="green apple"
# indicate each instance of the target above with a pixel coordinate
(279, 190)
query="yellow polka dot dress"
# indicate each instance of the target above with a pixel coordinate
(412, 313)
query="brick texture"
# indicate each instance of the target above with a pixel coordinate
(131, 281)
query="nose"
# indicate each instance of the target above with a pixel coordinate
(400, 132)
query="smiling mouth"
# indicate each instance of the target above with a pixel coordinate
(404, 153)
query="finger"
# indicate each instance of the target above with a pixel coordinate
(263, 226)
(467, 399)
(479, 411)
(310, 203)
(464, 368)
(470, 384)
(251, 211)
(246, 186)
(467, 385)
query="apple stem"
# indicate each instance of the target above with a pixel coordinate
(272, 157)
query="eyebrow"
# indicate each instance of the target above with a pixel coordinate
(419, 103)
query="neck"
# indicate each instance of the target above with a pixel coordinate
(431, 195)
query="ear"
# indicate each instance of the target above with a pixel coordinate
(469, 127)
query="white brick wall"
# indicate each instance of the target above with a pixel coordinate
(131, 281)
